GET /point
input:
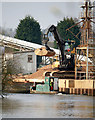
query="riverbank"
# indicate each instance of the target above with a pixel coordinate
(17, 88)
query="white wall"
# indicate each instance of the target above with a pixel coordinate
(22, 64)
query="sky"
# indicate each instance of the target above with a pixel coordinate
(46, 12)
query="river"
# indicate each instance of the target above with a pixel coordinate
(47, 106)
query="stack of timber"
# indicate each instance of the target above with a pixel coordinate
(44, 52)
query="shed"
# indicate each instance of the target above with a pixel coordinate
(25, 61)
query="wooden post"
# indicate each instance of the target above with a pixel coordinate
(90, 92)
(59, 89)
(93, 92)
(75, 90)
(81, 91)
(78, 91)
(71, 90)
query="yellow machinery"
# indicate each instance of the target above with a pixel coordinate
(56, 63)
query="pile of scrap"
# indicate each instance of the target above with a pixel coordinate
(44, 52)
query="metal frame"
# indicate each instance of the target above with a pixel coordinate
(87, 46)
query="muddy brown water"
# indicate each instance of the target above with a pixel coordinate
(47, 106)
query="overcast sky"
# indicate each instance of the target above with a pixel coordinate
(46, 13)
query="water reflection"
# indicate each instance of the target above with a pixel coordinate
(47, 106)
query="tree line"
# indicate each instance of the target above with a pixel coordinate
(29, 30)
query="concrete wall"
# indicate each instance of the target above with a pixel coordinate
(63, 83)
(22, 64)
(88, 84)
(70, 83)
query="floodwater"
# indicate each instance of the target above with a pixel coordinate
(47, 106)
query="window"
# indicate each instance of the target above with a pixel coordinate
(30, 58)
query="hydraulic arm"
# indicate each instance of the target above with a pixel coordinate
(60, 42)
(64, 62)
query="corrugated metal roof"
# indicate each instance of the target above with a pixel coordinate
(23, 43)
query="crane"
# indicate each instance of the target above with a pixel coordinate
(67, 64)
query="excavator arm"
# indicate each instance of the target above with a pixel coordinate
(64, 62)
(60, 42)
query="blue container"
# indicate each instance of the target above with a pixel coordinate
(43, 88)
(39, 87)
(46, 88)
